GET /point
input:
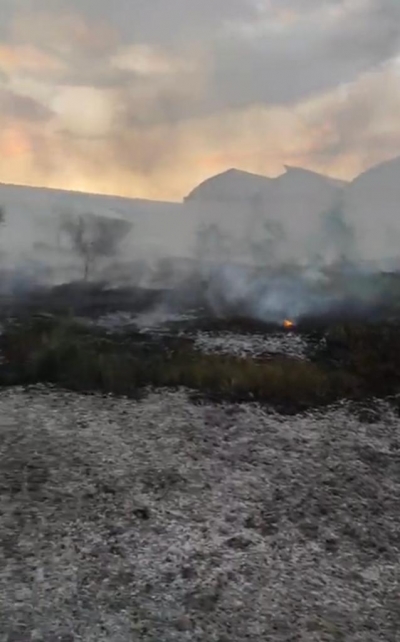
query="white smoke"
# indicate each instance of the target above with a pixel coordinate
(267, 257)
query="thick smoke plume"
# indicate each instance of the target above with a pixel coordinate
(296, 246)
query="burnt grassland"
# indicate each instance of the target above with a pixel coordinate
(149, 517)
(351, 360)
(353, 349)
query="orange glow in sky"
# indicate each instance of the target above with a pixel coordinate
(83, 103)
(14, 143)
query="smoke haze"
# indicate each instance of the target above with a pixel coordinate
(265, 247)
(147, 100)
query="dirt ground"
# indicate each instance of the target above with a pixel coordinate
(163, 520)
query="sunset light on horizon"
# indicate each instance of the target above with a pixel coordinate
(148, 103)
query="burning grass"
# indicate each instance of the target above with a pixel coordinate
(65, 353)
(288, 324)
(352, 361)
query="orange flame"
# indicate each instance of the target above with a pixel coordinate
(288, 324)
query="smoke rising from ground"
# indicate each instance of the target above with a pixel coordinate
(303, 244)
(127, 98)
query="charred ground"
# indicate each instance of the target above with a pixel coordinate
(92, 337)
(167, 516)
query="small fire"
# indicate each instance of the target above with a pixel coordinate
(288, 324)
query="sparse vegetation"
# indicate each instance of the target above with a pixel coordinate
(93, 238)
(370, 352)
(355, 361)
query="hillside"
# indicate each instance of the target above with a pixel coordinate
(36, 211)
(232, 185)
(371, 205)
(238, 202)
(235, 184)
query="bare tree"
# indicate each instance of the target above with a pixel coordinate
(93, 238)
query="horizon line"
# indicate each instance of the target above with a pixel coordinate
(287, 168)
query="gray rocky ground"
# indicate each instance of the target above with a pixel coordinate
(161, 520)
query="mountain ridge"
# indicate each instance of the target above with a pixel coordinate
(231, 173)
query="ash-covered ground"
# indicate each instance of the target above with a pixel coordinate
(165, 519)
(154, 313)
(238, 342)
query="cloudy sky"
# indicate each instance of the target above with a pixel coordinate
(149, 97)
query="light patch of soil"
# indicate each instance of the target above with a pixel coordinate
(161, 520)
(252, 345)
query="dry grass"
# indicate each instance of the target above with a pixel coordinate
(354, 361)
(64, 353)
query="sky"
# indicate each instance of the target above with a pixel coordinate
(147, 98)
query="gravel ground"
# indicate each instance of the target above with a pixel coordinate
(160, 520)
